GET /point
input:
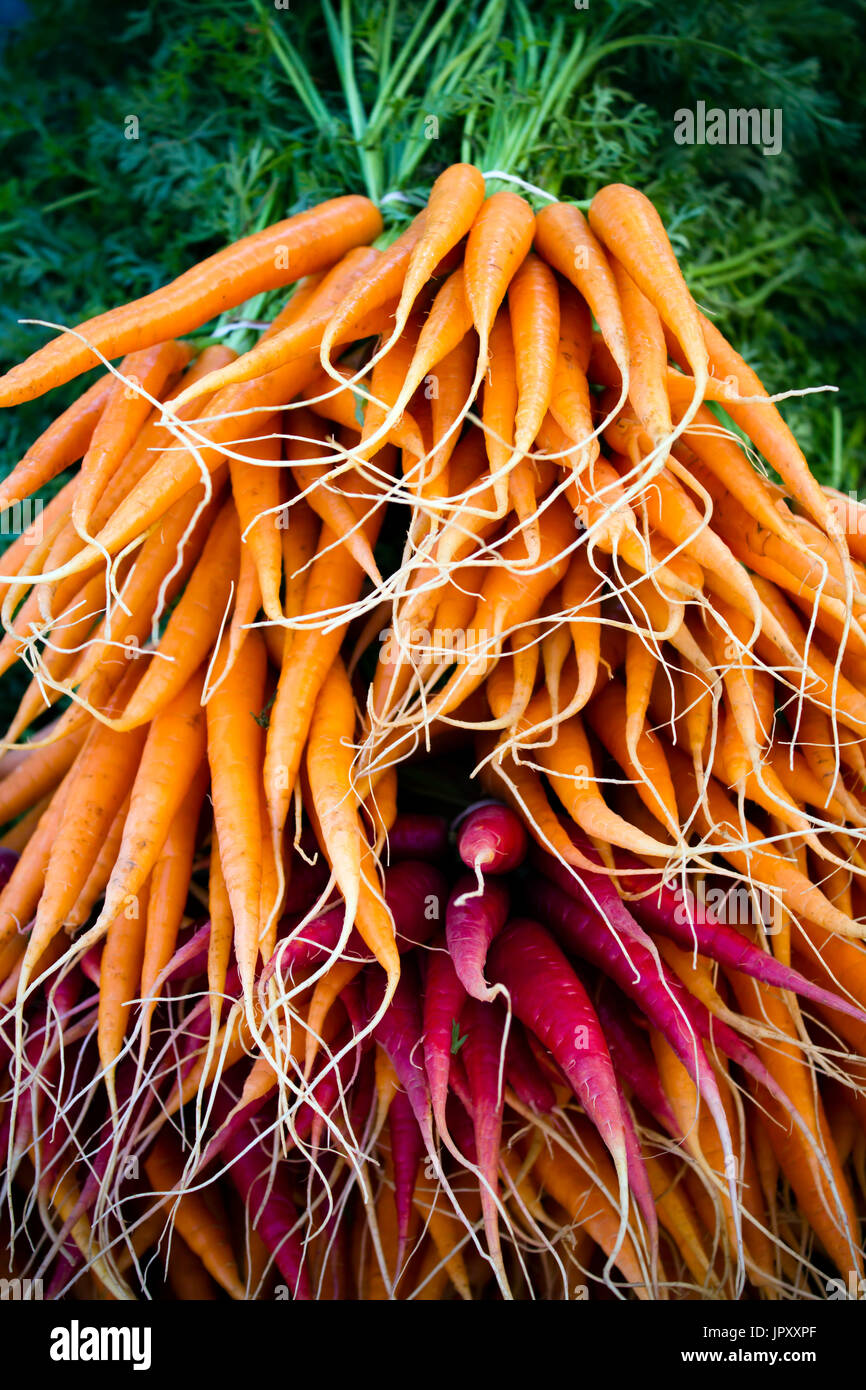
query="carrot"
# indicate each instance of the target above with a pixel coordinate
(369, 292)
(641, 757)
(153, 580)
(280, 254)
(21, 893)
(564, 239)
(336, 511)
(94, 884)
(334, 582)
(68, 634)
(42, 767)
(702, 1140)
(497, 245)
(446, 325)
(446, 1231)
(588, 1201)
(570, 403)
(329, 768)
(549, 999)
(454, 390)
(234, 414)
(173, 751)
(454, 202)
(830, 1211)
(500, 405)
(628, 224)
(194, 624)
(509, 598)
(257, 491)
(169, 888)
(234, 748)
(101, 779)
(648, 357)
(299, 332)
(569, 766)
(761, 862)
(385, 383)
(119, 976)
(124, 414)
(205, 1233)
(481, 1057)
(768, 432)
(63, 443)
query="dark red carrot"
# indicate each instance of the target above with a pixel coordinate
(632, 1059)
(676, 914)
(579, 928)
(272, 1212)
(416, 836)
(399, 1032)
(481, 1055)
(523, 1073)
(472, 920)
(415, 893)
(491, 839)
(444, 996)
(407, 1151)
(548, 998)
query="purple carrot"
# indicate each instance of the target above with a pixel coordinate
(491, 839)
(547, 996)
(8, 860)
(460, 1122)
(305, 881)
(480, 1054)
(68, 1264)
(417, 837)
(523, 1073)
(271, 1208)
(415, 892)
(363, 1095)
(189, 960)
(443, 1003)
(399, 1032)
(676, 915)
(633, 1061)
(407, 1152)
(596, 892)
(472, 920)
(580, 929)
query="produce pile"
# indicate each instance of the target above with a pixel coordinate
(497, 496)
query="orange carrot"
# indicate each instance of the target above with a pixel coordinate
(63, 443)
(234, 744)
(284, 252)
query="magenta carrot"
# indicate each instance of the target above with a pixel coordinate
(444, 996)
(472, 920)
(407, 1151)
(481, 1054)
(676, 913)
(548, 998)
(492, 840)
(417, 836)
(523, 1073)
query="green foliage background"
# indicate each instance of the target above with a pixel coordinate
(248, 111)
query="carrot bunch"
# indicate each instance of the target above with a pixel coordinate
(235, 1007)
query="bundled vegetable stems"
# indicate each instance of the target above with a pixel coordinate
(607, 1037)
